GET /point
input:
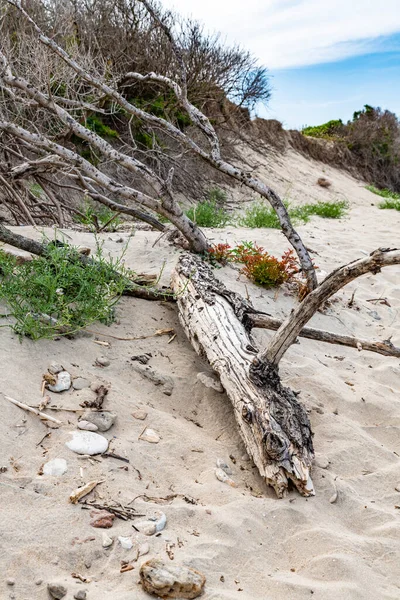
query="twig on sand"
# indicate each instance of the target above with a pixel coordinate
(35, 411)
(122, 512)
(131, 339)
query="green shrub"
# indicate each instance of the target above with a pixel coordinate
(390, 203)
(57, 294)
(259, 214)
(326, 210)
(97, 218)
(326, 130)
(95, 124)
(210, 212)
(384, 193)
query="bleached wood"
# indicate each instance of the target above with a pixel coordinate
(290, 329)
(274, 426)
(262, 321)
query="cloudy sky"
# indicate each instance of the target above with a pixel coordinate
(327, 58)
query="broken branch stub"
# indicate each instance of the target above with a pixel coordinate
(274, 426)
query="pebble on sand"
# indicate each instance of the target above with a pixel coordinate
(87, 426)
(81, 595)
(57, 590)
(102, 361)
(210, 382)
(79, 383)
(63, 382)
(87, 442)
(149, 435)
(167, 581)
(102, 419)
(125, 542)
(55, 467)
(107, 541)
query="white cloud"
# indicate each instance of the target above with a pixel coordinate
(292, 33)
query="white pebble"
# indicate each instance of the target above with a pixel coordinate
(87, 442)
(151, 436)
(125, 542)
(56, 467)
(107, 540)
(63, 382)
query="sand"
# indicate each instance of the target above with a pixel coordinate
(247, 543)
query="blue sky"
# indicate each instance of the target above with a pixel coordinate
(326, 58)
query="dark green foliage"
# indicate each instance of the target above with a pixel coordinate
(58, 295)
(94, 123)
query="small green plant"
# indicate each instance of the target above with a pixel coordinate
(210, 212)
(97, 218)
(57, 294)
(326, 210)
(390, 203)
(384, 193)
(94, 123)
(259, 215)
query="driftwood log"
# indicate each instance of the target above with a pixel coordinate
(274, 426)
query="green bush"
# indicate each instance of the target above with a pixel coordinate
(259, 214)
(390, 203)
(210, 212)
(327, 210)
(326, 130)
(57, 294)
(384, 193)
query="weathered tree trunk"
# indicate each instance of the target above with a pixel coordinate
(274, 426)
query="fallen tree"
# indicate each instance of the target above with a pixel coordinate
(274, 426)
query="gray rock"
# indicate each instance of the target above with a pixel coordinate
(55, 467)
(87, 425)
(79, 383)
(102, 361)
(81, 595)
(167, 581)
(210, 382)
(103, 420)
(57, 590)
(63, 382)
(87, 442)
(221, 464)
(55, 368)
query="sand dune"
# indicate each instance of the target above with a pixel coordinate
(267, 549)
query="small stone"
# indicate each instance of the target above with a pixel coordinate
(151, 436)
(87, 442)
(81, 595)
(38, 581)
(139, 414)
(397, 488)
(102, 361)
(87, 426)
(210, 382)
(56, 590)
(102, 519)
(144, 549)
(322, 462)
(167, 581)
(125, 542)
(79, 383)
(63, 382)
(103, 420)
(55, 368)
(222, 476)
(221, 464)
(153, 524)
(10, 581)
(107, 540)
(55, 467)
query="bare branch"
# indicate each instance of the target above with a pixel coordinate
(291, 328)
